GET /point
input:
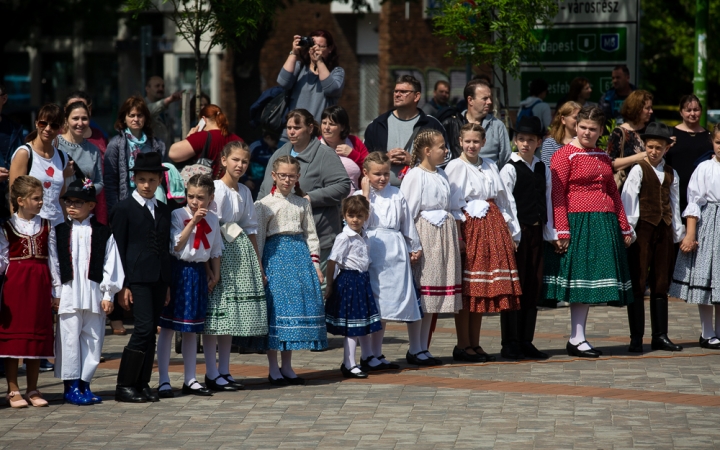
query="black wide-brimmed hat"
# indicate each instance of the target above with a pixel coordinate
(530, 125)
(81, 188)
(148, 162)
(658, 130)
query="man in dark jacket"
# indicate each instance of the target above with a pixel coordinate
(612, 100)
(395, 131)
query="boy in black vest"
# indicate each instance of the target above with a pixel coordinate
(141, 226)
(529, 181)
(86, 273)
(651, 197)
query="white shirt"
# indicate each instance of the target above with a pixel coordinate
(389, 210)
(151, 203)
(80, 293)
(428, 192)
(29, 228)
(703, 188)
(189, 253)
(630, 196)
(235, 206)
(50, 174)
(482, 183)
(350, 250)
(508, 174)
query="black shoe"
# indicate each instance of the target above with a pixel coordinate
(511, 352)
(297, 381)
(479, 350)
(462, 355)
(636, 345)
(572, 350)
(148, 393)
(366, 367)
(165, 393)
(233, 382)
(389, 366)
(413, 359)
(705, 343)
(663, 342)
(348, 373)
(128, 394)
(438, 361)
(531, 352)
(277, 381)
(213, 386)
(202, 391)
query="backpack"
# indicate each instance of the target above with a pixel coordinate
(526, 111)
(268, 111)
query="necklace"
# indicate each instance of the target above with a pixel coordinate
(476, 164)
(426, 169)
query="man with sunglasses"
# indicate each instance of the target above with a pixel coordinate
(10, 139)
(395, 131)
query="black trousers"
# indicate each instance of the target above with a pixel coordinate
(148, 302)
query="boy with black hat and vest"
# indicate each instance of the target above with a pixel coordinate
(141, 226)
(529, 180)
(651, 197)
(87, 272)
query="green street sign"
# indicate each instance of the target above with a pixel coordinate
(581, 44)
(559, 82)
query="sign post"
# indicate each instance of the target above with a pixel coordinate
(699, 84)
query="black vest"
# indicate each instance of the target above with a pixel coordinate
(529, 193)
(98, 243)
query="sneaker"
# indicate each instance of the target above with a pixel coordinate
(46, 366)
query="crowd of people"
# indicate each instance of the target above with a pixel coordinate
(274, 245)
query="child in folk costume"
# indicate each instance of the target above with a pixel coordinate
(87, 272)
(529, 186)
(197, 247)
(431, 198)
(489, 233)
(26, 329)
(393, 244)
(652, 204)
(236, 307)
(289, 248)
(697, 275)
(350, 308)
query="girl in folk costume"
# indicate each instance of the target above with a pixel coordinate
(350, 309)
(590, 264)
(696, 275)
(394, 244)
(87, 272)
(290, 248)
(26, 329)
(431, 198)
(489, 234)
(236, 307)
(197, 247)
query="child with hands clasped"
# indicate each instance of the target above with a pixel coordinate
(350, 309)
(26, 329)
(697, 273)
(197, 249)
(289, 248)
(87, 272)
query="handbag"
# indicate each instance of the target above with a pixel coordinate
(201, 166)
(621, 175)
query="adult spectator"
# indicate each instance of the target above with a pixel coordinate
(216, 129)
(478, 96)
(85, 155)
(312, 75)
(395, 131)
(611, 101)
(580, 92)
(562, 130)
(536, 102)
(692, 145)
(204, 101)
(461, 105)
(322, 177)
(335, 128)
(625, 147)
(157, 103)
(441, 97)
(11, 137)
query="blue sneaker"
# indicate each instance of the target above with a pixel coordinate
(46, 366)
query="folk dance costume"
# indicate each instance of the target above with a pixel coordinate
(531, 188)
(651, 200)
(188, 296)
(290, 248)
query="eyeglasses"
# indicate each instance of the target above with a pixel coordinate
(45, 123)
(287, 176)
(73, 203)
(402, 92)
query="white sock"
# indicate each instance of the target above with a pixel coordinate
(273, 365)
(350, 344)
(425, 333)
(193, 384)
(706, 321)
(164, 345)
(189, 353)
(286, 370)
(415, 338)
(377, 341)
(578, 320)
(366, 347)
(224, 347)
(209, 348)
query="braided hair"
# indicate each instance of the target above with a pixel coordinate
(424, 139)
(287, 159)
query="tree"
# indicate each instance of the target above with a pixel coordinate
(495, 32)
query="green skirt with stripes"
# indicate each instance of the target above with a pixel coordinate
(594, 269)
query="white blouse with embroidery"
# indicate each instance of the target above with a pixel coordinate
(235, 206)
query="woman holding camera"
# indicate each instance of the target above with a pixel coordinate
(311, 74)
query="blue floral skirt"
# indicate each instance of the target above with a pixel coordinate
(351, 310)
(188, 298)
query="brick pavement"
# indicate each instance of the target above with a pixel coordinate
(656, 400)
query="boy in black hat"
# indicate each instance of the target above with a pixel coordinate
(141, 226)
(651, 196)
(529, 180)
(87, 272)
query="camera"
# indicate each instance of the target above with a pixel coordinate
(306, 41)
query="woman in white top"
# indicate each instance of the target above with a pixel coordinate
(431, 199)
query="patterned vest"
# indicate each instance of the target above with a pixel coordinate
(23, 246)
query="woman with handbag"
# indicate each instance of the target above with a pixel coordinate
(203, 144)
(625, 148)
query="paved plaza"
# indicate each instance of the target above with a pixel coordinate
(657, 400)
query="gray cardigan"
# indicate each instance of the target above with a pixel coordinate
(117, 181)
(86, 157)
(324, 180)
